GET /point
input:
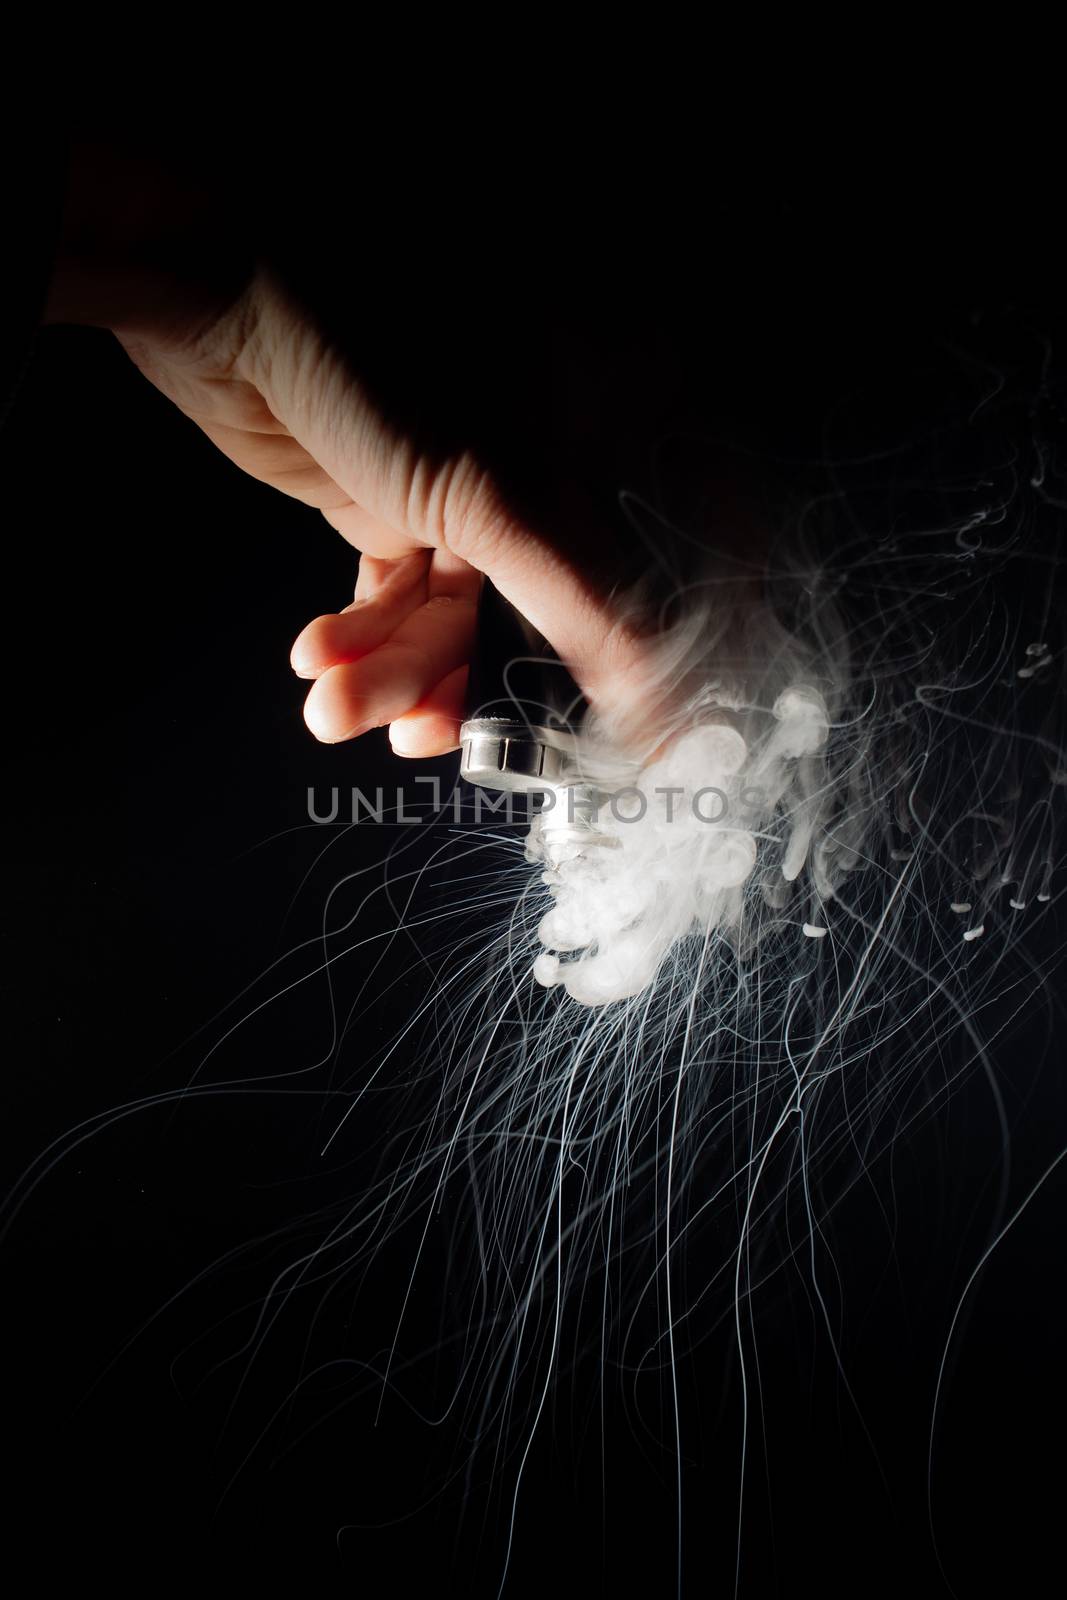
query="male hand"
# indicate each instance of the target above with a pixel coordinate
(265, 383)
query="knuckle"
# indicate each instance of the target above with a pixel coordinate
(471, 518)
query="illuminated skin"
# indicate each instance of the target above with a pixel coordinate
(268, 389)
(263, 385)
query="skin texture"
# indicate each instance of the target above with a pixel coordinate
(264, 385)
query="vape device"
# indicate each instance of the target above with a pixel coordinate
(520, 731)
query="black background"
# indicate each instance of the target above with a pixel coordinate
(156, 855)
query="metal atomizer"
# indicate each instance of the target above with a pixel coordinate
(523, 710)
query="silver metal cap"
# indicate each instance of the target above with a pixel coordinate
(500, 754)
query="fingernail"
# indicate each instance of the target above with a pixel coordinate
(326, 733)
(301, 664)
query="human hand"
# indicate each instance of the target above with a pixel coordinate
(260, 380)
(260, 377)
